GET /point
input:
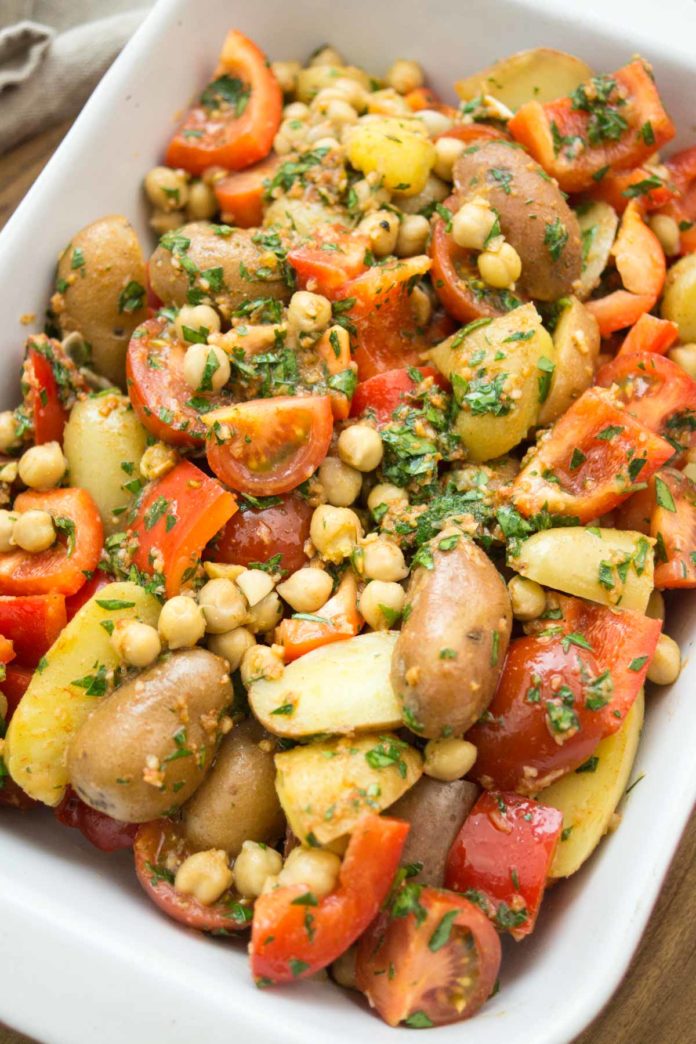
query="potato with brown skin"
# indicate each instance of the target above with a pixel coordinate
(101, 292)
(452, 645)
(534, 217)
(237, 801)
(239, 267)
(435, 811)
(146, 748)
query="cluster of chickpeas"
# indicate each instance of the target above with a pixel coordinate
(40, 468)
(499, 264)
(177, 197)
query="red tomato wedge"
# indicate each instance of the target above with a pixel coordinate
(105, 833)
(378, 307)
(94, 584)
(14, 685)
(650, 334)
(598, 126)
(334, 622)
(156, 845)
(500, 858)
(618, 187)
(667, 511)
(32, 623)
(240, 194)
(379, 396)
(237, 116)
(163, 400)
(431, 959)
(654, 390)
(682, 170)
(590, 461)
(263, 529)
(330, 259)
(177, 516)
(42, 396)
(294, 934)
(62, 568)
(268, 446)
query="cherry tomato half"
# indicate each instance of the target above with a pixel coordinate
(255, 534)
(380, 395)
(105, 833)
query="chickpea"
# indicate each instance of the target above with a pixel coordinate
(387, 102)
(202, 319)
(166, 189)
(326, 55)
(666, 663)
(314, 867)
(42, 467)
(8, 430)
(667, 231)
(684, 355)
(157, 460)
(412, 239)
(296, 111)
(472, 224)
(136, 643)
(181, 622)
(253, 866)
(205, 875)
(527, 598)
(449, 759)
(254, 584)
(370, 194)
(342, 484)
(501, 267)
(404, 76)
(206, 367)
(335, 532)
(202, 202)
(306, 590)
(361, 447)
(382, 227)
(309, 313)
(383, 560)
(436, 123)
(291, 134)
(260, 661)
(223, 606)
(266, 614)
(435, 191)
(421, 306)
(385, 493)
(656, 605)
(7, 524)
(381, 603)
(232, 645)
(447, 152)
(162, 221)
(34, 531)
(286, 74)
(352, 92)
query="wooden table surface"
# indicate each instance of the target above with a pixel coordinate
(656, 1003)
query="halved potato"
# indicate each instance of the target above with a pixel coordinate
(598, 224)
(325, 787)
(66, 687)
(576, 340)
(589, 799)
(540, 74)
(340, 688)
(610, 566)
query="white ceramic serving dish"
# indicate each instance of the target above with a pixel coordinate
(84, 956)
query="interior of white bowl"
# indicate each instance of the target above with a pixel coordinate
(86, 955)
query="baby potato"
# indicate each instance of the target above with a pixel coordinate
(679, 300)
(452, 645)
(340, 688)
(435, 811)
(225, 268)
(325, 787)
(589, 799)
(610, 566)
(101, 276)
(103, 443)
(237, 800)
(497, 373)
(540, 73)
(576, 341)
(598, 226)
(66, 690)
(398, 148)
(147, 748)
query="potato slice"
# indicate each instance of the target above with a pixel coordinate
(540, 74)
(396, 147)
(324, 788)
(588, 799)
(598, 224)
(55, 706)
(679, 301)
(337, 689)
(510, 354)
(610, 566)
(576, 340)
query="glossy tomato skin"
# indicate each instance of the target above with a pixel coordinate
(105, 833)
(270, 446)
(257, 534)
(49, 414)
(653, 388)
(331, 259)
(380, 395)
(240, 194)
(339, 620)
(501, 858)
(434, 965)
(155, 845)
(32, 623)
(14, 686)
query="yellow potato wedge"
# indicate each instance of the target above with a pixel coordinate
(540, 74)
(55, 705)
(337, 689)
(325, 787)
(576, 340)
(610, 566)
(598, 224)
(589, 799)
